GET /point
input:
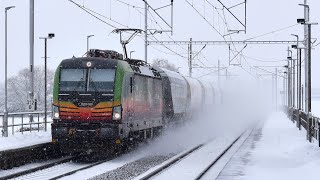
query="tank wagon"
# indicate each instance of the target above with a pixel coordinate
(104, 102)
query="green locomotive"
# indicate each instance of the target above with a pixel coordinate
(103, 101)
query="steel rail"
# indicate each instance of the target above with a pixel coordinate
(52, 165)
(32, 170)
(182, 155)
(170, 162)
(218, 158)
(80, 169)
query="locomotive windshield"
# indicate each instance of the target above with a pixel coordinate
(73, 80)
(101, 80)
(87, 80)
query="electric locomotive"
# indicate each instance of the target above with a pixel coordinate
(104, 102)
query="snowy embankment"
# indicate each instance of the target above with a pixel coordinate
(24, 140)
(278, 151)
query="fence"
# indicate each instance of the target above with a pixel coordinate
(310, 123)
(20, 122)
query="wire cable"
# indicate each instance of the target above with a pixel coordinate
(78, 5)
(272, 32)
(133, 6)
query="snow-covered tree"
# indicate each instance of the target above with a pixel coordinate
(165, 64)
(19, 86)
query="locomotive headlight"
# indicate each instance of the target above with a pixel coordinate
(55, 112)
(56, 115)
(117, 113)
(117, 116)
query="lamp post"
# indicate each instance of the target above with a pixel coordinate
(131, 53)
(294, 70)
(299, 94)
(289, 58)
(50, 36)
(288, 84)
(284, 88)
(292, 78)
(88, 37)
(5, 118)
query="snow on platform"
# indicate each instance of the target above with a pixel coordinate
(24, 140)
(276, 151)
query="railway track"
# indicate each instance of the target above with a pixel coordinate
(201, 174)
(161, 171)
(54, 170)
(168, 163)
(18, 173)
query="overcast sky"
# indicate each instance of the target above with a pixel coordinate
(71, 26)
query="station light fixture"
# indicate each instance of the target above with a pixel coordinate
(301, 21)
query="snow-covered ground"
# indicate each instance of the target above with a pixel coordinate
(23, 140)
(279, 151)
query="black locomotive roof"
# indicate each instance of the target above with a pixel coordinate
(94, 62)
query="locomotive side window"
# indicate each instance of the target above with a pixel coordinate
(73, 80)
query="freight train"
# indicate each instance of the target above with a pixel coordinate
(102, 101)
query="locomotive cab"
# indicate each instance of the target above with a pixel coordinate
(87, 88)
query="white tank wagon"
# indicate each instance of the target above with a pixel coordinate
(196, 94)
(209, 93)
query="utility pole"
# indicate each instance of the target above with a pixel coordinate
(272, 89)
(298, 71)
(190, 58)
(299, 85)
(45, 84)
(302, 100)
(5, 118)
(146, 31)
(307, 33)
(31, 41)
(284, 90)
(308, 80)
(293, 82)
(219, 74)
(306, 44)
(297, 82)
(276, 88)
(306, 36)
(289, 85)
(299, 79)
(287, 95)
(289, 58)
(226, 74)
(219, 82)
